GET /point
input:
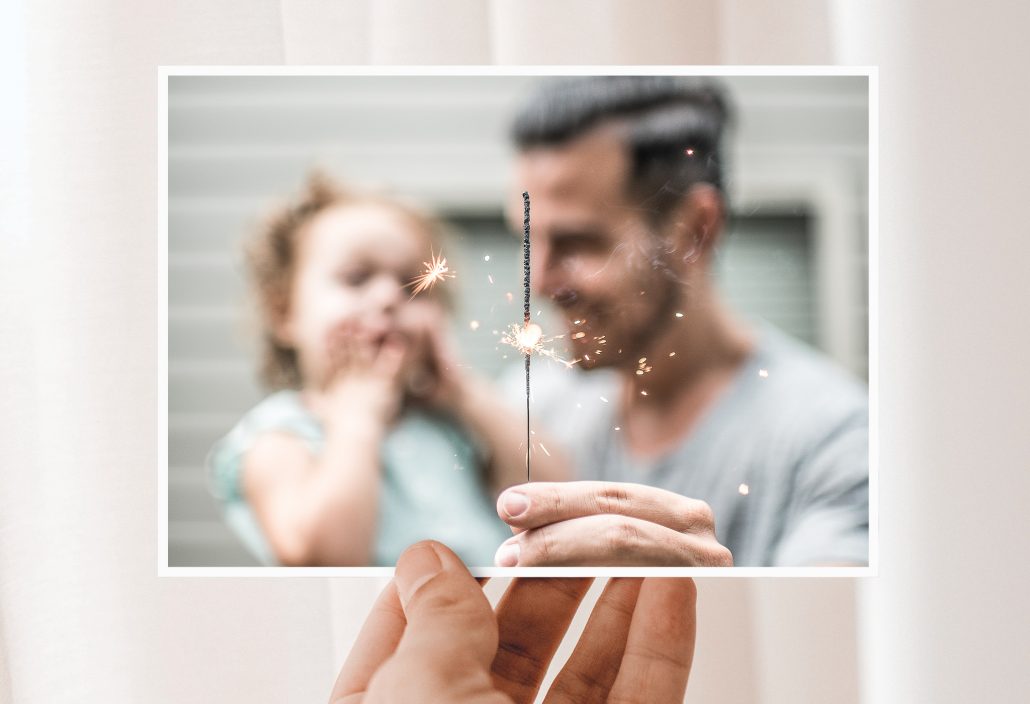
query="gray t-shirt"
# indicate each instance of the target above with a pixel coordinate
(782, 456)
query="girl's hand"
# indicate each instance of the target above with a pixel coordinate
(436, 377)
(365, 379)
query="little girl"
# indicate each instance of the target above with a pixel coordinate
(374, 441)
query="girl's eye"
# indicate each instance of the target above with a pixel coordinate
(355, 277)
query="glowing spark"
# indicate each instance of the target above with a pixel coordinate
(530, 339)
(689, 151)
(618, 428)
(578, 335)
(490, 278)
(643, 393)
(436, 269)
(486, 258)
(544, 449)
(642, 360)
(606, 401)
(679, 315)
(509, 297)
(743, 489)
(764, 373)
(672, 354)
(474, 324)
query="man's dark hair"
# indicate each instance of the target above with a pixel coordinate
(673, 125)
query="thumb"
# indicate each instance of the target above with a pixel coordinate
(444, 606)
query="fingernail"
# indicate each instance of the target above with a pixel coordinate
(507, 555)
(515, 504)
(416, 567)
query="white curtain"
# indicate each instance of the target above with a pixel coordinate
(947, 620)
(83, 616)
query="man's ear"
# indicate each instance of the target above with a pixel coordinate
(696, 223)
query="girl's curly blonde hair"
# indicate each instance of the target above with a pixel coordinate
(271, 259)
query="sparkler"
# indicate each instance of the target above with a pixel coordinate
(436, 269)
(525, 308)
(529, 338)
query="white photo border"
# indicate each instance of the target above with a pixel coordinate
(870, 72)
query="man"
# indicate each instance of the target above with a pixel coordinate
(687, 414)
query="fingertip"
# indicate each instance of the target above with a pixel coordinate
(508, 554)
(416, 566)
(513, 503)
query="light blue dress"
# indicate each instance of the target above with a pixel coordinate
(432, 483)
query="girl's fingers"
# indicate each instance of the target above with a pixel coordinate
(390, 358)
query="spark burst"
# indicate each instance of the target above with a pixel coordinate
(530, 340)
(435, 270)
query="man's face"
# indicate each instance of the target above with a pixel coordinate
(594, 254)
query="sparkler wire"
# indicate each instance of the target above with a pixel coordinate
(525, 307)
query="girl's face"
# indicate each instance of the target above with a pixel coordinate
(351, 273)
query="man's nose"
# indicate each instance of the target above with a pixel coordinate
(545, 275)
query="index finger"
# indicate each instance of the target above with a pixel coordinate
(538, 504)
(375, 643)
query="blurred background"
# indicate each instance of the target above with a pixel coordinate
(795, 254)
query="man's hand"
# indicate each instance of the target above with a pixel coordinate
(606, 523)
(432, 637)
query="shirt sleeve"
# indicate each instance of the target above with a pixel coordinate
(225, 460)
(828, 518)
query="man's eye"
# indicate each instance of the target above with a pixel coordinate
(578, 243)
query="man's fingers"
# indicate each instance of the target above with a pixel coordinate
(375, 643)
(610, 540)
(444, 605)
(660, 646)
(451, 634)
(417, 568)
(532, 617)
(540, 503)
(590, 671)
